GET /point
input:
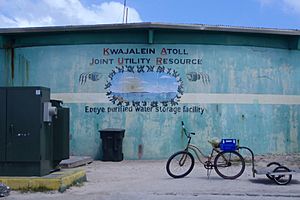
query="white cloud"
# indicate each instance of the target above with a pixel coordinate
(266, 2)
(30, 13)
(286, 5)
(165, 77)
(293, 5)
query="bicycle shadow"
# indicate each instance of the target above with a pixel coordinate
(266, 181)
(212, 178)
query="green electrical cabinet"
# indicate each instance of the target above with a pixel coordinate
(26, 131)
(61, 131)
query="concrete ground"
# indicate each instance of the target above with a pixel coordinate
(148, 180)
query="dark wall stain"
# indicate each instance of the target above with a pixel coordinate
(140, 151)
(12, 64)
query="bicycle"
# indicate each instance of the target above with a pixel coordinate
(228, 163)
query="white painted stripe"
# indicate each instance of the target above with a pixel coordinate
(81, 97)
(204, 98)
(240, 99)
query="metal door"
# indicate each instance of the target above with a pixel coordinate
(24, 123)
(2, 124)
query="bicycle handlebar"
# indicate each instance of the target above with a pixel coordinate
(188, 135)
(182, 124)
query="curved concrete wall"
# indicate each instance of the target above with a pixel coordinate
(249, 93)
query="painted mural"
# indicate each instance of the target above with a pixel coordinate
(154, 85)
(249, 93)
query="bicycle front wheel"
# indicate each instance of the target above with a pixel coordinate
(229, 164)
(180, 164)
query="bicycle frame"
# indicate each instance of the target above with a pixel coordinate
(207, 164)
(197, 150)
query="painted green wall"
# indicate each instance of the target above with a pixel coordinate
(244, 86)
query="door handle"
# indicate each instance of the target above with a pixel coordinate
(11, 130)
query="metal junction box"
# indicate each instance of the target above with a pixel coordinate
(61, 131)
(26, 131)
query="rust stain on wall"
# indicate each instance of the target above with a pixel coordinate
(12, 64)
(140, 151)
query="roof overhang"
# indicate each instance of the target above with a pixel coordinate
(150, 25)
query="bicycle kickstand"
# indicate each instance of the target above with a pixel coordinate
(208, 173)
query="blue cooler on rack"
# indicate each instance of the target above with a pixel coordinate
(228, 145)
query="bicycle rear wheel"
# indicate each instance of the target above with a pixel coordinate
(282, 178)
(229, 164)
(180, 164)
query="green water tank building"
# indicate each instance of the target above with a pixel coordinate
(222, 81)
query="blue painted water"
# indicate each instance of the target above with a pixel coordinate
(146, 96)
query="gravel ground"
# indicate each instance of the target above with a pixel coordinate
(147, 179)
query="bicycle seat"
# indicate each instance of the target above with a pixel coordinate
(215, 142)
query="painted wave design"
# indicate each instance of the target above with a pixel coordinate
(146, 96)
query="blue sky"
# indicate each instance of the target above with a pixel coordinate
(144, 82)
(283, 14)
